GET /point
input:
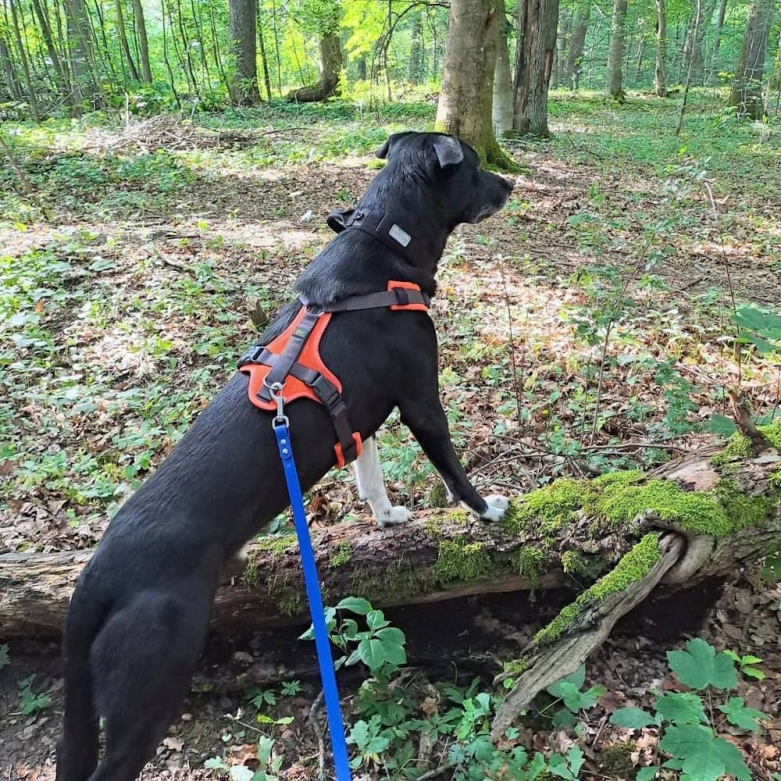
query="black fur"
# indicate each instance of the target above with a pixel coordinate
(140, 611)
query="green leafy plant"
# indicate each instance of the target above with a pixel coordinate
(747, 664)
(568, 692)
(269, 764)
(32, 702)
(689, 737)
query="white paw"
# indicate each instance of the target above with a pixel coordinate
(497, 507)
(393, 517)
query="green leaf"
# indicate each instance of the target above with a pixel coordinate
(356, 605)
(686, 740)
(577, 679)
(699, 666)
(681, 708)
(646, 773)
(749, 659)
(241, 773)
(537, 767)
(738, 714)
(564, 719)
(557, 766)
(372, 653)
(723, 426)
(576, 758)
(632, 718)
(215, 763)
(754, 672)
(732, 759)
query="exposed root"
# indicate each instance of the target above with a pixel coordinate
(563, 657)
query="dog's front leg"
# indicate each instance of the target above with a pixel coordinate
(371, 487)
(427, 420)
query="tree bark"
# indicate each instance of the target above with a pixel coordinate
(330, 71)
(9, 74)
(775, 84)
(43, 20)
(615, 89)
(660, 81)
(562, 44)
(577, 43)
(79, 51)
(443, 555)
(143, 41)
(263, 56)
(746, 93)
(244, 85)
(466, 95)
(537, 25)
(502, 110)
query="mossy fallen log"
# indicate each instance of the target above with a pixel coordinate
(727, 506)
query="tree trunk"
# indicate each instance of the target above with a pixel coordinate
(615, 59)
(537, 24)
(263, 57)
(729, 516)
(577, 43)
(361, 68)
(79, 51)
(43, 20)
(415, 73)
(466, 95)
(244, 85)
(330, 71)
(28, 79)
(660, 82)
(123, 41)
(502, 111)
(143, 41)
(775, 84)
(746, 93)
(9, 74)
(562, 43)
(713, 65)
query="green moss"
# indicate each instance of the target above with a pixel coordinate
(530, 562)
(250, 575)
(277, 544)
(619, 504)
(548, 509)
(341, 554)
(739, 445)
(633, 566)
(290, 603)
(516, 667)
(435, 525)
(616, 761)
(459, 559)
(575, 563)
(742, 510)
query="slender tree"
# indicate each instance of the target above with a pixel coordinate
(503, 87)
(615, 87)
(577, 44)
(713, 65)
(28, 79)
(537, 24)
(415, 74)
(143, 41)
(465, 98)
(746, 93)
(660, 81)
(123, 41)
(263, 56)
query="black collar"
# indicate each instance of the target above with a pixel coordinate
(391, 234)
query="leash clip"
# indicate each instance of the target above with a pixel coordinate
(275, 391)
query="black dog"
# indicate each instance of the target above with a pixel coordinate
(140, 612)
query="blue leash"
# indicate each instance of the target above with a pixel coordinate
(316, 609)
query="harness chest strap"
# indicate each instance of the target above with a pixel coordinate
(293, 360)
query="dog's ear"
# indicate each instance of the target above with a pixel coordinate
(337, 221)
(384, 151)
(448, 150)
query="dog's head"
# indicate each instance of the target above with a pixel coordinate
(449, 170)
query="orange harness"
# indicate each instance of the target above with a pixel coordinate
(292, 361)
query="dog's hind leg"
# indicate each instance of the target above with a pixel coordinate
(371, 487)
(143, 661)
(77, 748)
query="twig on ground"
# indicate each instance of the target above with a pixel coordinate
(745, 422)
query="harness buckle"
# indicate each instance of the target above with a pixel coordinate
(326, 391)
(275, 391)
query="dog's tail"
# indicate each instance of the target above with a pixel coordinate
(78, 746)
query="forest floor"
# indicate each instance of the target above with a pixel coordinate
(625, 254)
